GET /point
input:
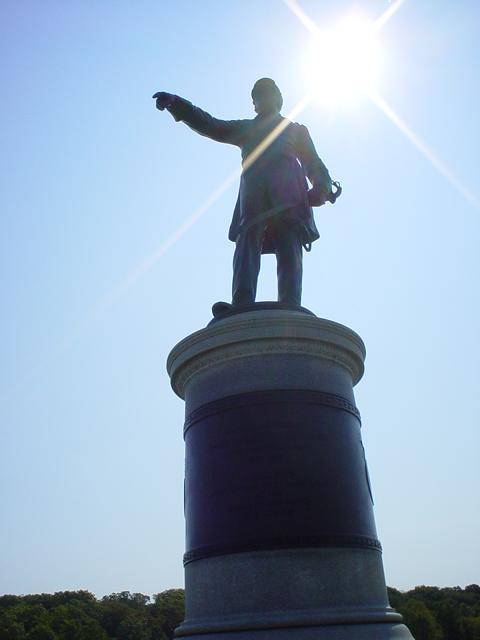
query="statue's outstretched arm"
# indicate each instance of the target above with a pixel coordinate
(229, 131)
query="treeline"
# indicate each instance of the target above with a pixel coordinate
(430, 613)
(440, 614)
(78, 615)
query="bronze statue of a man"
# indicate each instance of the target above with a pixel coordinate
(273, 213)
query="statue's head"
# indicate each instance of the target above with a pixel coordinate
(266, 97)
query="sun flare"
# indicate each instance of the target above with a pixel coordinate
(344, 62)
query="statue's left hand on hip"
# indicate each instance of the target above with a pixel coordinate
(317, 196)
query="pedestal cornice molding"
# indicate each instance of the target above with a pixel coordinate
(258, 333)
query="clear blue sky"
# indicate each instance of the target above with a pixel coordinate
(95, 180)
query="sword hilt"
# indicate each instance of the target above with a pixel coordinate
(335, 194)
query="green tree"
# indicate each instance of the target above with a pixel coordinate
(41, 632)
(10, 628)
(395, 597)
(420, 620)
(472, 628)
(134, 628)
(8, 601)
(74, 621)
(113, 613)
(169, 606)
(450, 618)
(33, 615)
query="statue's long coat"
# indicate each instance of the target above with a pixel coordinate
(274, 184)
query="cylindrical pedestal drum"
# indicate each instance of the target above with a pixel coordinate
(280, 533)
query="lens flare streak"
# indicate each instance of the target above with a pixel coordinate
(423, 148)
(378, 24)
(267, 141)
(302, 16)
(172, 239)
(91, 316)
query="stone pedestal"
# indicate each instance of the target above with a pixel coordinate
(280, 533)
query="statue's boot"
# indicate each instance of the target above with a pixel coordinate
(219, 308)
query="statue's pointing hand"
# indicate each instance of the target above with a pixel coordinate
(163, 99)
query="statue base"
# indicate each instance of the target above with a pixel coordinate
(222, 310)
(280, 532)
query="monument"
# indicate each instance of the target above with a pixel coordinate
(280, 533)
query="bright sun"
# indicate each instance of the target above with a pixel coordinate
(344, 62)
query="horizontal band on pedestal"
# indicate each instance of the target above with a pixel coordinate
(274, 396)
(366, 619)
(351, 541)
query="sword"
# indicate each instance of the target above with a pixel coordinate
(335, 194)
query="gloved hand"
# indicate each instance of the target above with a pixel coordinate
(163, 99)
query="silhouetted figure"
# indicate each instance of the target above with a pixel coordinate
(273, 213)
